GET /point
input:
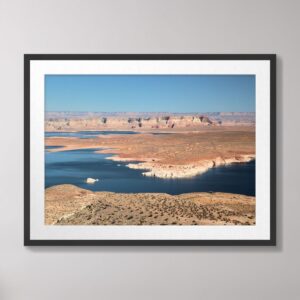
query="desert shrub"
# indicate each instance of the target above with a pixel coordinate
(104, 120)
(205, 119)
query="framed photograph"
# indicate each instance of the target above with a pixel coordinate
(150, 149)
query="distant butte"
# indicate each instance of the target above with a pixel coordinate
(68, 121)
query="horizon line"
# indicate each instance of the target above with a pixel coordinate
(87, 111)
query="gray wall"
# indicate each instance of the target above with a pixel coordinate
(154, 26)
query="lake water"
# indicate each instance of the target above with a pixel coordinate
(73, 167)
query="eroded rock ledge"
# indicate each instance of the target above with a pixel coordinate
(189, 170)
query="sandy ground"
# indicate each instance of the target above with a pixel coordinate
(70, 205)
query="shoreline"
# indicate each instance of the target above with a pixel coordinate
(156, 169)
(177, 155)
(186, 171)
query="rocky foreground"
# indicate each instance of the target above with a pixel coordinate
(70, 205)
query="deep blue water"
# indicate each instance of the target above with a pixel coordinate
(84, 134)
(75, 166)
(52, 147)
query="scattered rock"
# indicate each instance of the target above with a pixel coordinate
(91, 180)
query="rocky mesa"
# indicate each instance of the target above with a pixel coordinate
(143, 121)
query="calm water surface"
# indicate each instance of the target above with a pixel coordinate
(73, 167)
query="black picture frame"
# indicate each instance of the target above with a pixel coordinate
(31, 242)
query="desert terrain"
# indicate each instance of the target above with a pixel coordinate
(70, 205)
(164, 146)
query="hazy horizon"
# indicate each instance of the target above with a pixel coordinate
(148, 112)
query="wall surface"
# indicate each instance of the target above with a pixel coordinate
(141, 26)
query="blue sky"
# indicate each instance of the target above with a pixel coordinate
(150, 93)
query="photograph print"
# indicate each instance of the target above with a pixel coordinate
(149, 150)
